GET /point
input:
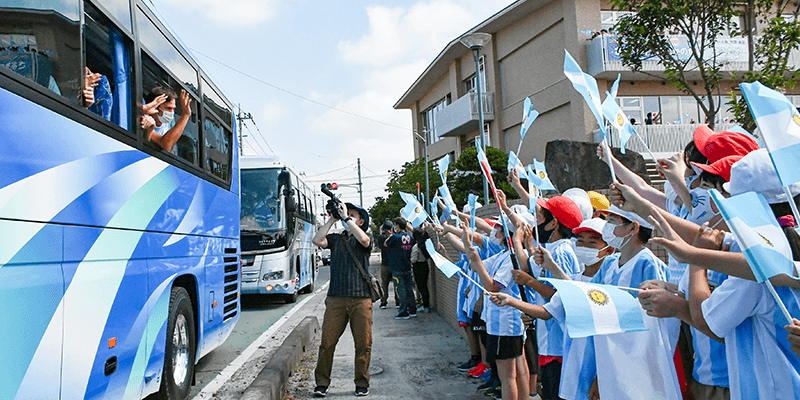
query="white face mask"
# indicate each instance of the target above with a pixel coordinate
(493, 237)
(697, 170)
(588, 255)
(611, 239)
(167, 117)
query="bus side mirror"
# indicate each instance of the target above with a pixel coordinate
(285, 180)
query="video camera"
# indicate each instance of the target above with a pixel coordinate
(332, 207)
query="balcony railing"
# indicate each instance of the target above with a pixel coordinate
(461, 116)
(663, 140)
(604, 57)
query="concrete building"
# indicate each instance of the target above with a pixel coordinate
(525, 58)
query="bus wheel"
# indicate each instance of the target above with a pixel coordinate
(290, 298)
(179, 354)
(309, 288)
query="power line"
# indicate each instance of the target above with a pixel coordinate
(299, 96)
(262, 135)
(254, 139)
(335, 170)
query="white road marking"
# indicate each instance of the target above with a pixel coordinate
(227, 373)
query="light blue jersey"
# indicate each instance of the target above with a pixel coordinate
(647, 359)
(487, 250)
(761, 364)
(549, 335)
(578, 368)
(676, 269)
(502, 321)
(463, 314)
(710, 363)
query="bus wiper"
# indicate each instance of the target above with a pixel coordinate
(258, 231)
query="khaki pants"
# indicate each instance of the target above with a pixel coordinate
(706, 392)
(339, 311)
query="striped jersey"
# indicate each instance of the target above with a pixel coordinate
(487, 250)
(549, 335)
(502, 321)
(710, 363)
(761, 364)
(647, 360)
(578, 367)
(676, 269)
(462, 313)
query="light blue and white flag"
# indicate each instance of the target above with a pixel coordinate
(448, 268)
(618, 120)
(514, 163)
(532, 191)
(528, 116)
(740, 129)
(595, 309)
(443, 164)
(540, 178)
(449, 205)
(586, 85)
(471, 199)
(758, 233)
(435, 209)
(413, 211)
(779, 122)
(615, 87)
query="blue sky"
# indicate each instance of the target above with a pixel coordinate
(356, 56)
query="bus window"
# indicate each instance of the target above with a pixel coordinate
(161, 48)
(108, 61)
(214, 102)
(218, 148)
(41, 41)
(121, 10)
(162, 93)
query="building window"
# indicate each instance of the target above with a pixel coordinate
(470, 83)
(429, 120)
(672, 110)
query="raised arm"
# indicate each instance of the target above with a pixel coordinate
(628, 177)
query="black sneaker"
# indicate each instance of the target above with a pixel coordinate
(402, 316)
(362, 391)
(470, 364)
(383, 306)
(320, 391)
(414, 315)
(490, 384)
(494, 391)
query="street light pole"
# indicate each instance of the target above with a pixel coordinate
(425, 151)
(475, 41)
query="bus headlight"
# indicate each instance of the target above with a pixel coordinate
(273, 276)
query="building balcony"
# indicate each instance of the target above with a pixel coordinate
(663, 140)
(605, 61)
(461, 117)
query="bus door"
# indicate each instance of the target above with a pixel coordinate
(31, 289)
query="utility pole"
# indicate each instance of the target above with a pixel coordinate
(241, 117)
(360, 192)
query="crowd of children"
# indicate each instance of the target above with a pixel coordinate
(712, 332)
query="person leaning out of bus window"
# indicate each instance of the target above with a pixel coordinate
(158, 116)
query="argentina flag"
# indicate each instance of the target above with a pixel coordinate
(586, 85)
(448, 268)
(618, 120)
(595, 309)
(758, 233)
(779, 122)
(540, 178)
(413, 211)
(514, 163)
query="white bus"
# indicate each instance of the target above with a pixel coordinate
(277, 225)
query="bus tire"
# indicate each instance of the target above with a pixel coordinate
(179, 353)
(309, 288)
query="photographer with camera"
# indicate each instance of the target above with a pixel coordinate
(349, 296)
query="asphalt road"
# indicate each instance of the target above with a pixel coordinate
(259, 313)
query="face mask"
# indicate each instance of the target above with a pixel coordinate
(690, 179)
(697, 170)
(544, 235)
(611, 239)
(167, 117)
(588, 255)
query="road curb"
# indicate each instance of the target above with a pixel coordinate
(271, 381)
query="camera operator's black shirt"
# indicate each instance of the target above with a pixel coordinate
(346, 280)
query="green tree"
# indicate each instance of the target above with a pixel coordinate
(465, 175)
(778, 38)
(643, 35)
(404, 180)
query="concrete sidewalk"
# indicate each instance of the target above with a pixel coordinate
(411, 359)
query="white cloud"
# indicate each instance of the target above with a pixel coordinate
(273, 111)
(231, 12)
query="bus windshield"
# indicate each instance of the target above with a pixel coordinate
(261, 201)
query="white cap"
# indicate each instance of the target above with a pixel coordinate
(582, 200)
(756, 173)
(629, 216)
(594, 224)
(467, 208)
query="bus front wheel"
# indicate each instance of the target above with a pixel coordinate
(179, 353)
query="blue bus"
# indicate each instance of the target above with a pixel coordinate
(277, 224)
(119, 204)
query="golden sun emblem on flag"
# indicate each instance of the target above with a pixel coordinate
(597, 297)
(416, 209)
(620, 120)
(796, 118)
(541, 174)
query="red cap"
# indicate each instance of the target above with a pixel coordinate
(720, 167)
(726, 144)
(489, 221)
(564, 210)
(701, 135)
